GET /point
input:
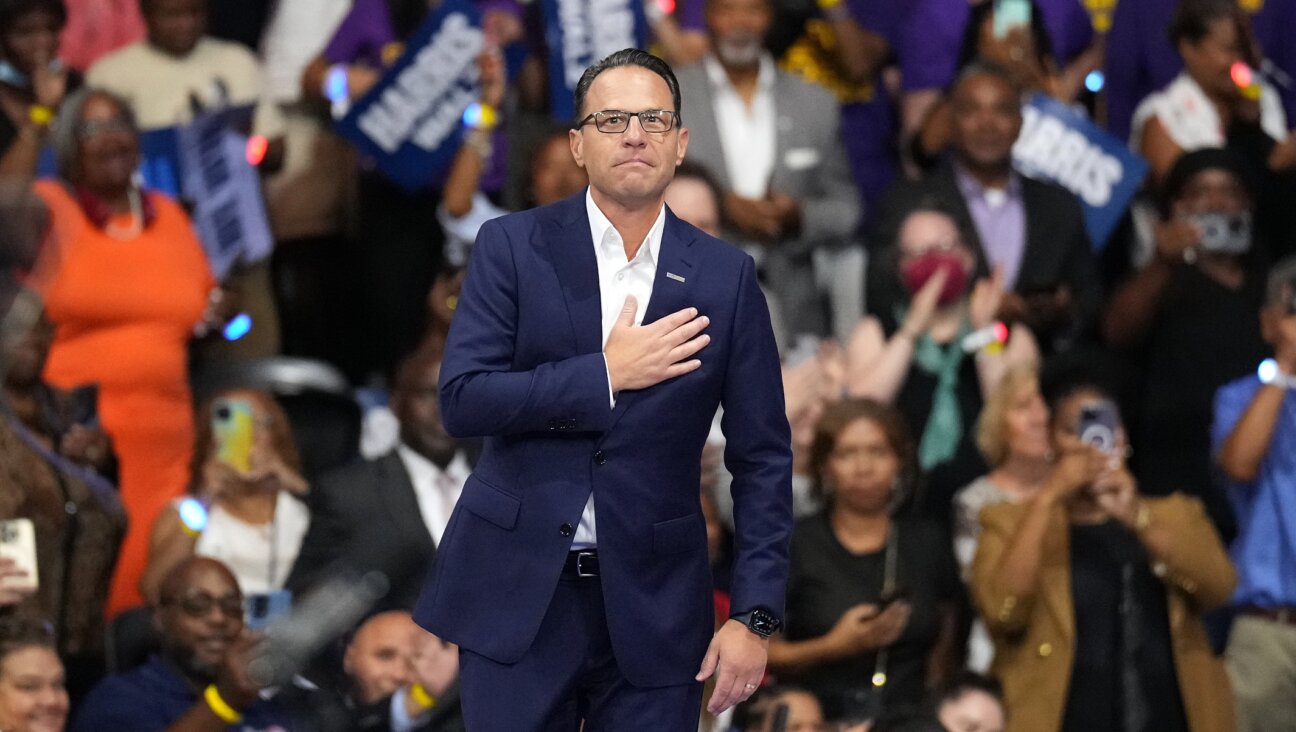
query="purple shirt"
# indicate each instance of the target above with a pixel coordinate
(1000, 220)
(364, 33)
(931, 35)
(868, 128)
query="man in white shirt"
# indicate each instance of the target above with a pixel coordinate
(773, 143)
(388, 514)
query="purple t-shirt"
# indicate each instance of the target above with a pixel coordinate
(868, 128)
(364, 33)
(932, 33)
(691, 14)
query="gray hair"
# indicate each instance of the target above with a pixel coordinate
(63, 135)
(1282, 281)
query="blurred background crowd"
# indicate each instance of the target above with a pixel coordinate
(1045, 474)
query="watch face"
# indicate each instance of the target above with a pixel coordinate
(764, 623)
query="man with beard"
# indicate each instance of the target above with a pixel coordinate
(388, 514)
(774, 145)
(199, 682)
(1032, 232)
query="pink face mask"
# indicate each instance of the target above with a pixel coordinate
(916, 272)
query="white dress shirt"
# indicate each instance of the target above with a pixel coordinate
(618, 277)
(748, 135)
(437, 490)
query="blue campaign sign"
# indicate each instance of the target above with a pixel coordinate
(409, 123)
(1059, 145)
(581, 32)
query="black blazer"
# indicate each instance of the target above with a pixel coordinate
(366, 517)
(1057, 246)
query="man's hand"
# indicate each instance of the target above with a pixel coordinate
(11, 595)
(737, 657)
(233, 682)
(86, 445)
(639, 356)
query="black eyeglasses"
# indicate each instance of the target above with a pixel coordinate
(200, 605)
(612, 121)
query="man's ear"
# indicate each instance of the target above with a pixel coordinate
(576, 142)
(682, 145)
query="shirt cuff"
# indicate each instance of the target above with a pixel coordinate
(608, 371)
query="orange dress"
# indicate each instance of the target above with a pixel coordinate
(124, 312)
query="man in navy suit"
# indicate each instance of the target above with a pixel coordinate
(593, 341)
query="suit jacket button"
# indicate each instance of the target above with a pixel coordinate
(565, 529)
(600, 458)
(1045, 650)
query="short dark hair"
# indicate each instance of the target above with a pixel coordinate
(966, 681)
(1192, 19)
(982, 67)
(629, 57)
(699, 172)
(18, 632)
(11, 10)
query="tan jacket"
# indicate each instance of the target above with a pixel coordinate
(1034, 635)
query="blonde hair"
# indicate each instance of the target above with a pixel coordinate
(991, 435)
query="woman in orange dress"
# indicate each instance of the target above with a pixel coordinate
(125, 281)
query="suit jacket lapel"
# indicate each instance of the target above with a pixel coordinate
(400, 500)
(566, 234)
(669, 293)
(948, 189)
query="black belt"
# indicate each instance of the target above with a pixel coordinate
(581, 564)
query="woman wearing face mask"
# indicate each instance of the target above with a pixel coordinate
(32, 696)
(32, 81)
(1094, 594)
(1188, 321)
(939, 354)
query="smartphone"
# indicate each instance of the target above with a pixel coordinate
(1009, 14)
(1097, 425)
(83, 405)
(18, 543)
(263, 608)
(232, 425)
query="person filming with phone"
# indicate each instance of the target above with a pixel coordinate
(1094, 594)
(1253, 442)
(245, 507)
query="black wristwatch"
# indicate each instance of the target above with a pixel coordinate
(760, 622)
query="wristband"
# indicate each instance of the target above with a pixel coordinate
(336, 84)
(480, 116)
(227, 714)
(1271, 373)
(193, 516)
(420, 695)
(989, 339)
(40, 115)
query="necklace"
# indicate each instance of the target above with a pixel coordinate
(137, 219)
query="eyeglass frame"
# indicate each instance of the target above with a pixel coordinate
(593, 119)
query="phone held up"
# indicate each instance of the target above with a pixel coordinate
(233, 426)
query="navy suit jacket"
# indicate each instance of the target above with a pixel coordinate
(524, 369)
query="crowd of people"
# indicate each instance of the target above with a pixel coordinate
(1043, 474)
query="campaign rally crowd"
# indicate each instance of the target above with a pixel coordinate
(1031, 266)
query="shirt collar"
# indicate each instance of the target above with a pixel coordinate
(718, 77)
(970, 187)
(456, 470)
(600, 227)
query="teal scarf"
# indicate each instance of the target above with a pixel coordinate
(944, 430)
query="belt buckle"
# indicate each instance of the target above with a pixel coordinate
(580, 572)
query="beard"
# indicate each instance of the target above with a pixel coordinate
(739, 49)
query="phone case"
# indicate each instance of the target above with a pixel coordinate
(232, 424)
(18, 542)
(1009, 14)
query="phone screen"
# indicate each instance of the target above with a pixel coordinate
(1009, 14)
(18, 543)
(232, 425)
(1097, 425)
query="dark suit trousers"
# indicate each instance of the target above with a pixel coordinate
(570, 674)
